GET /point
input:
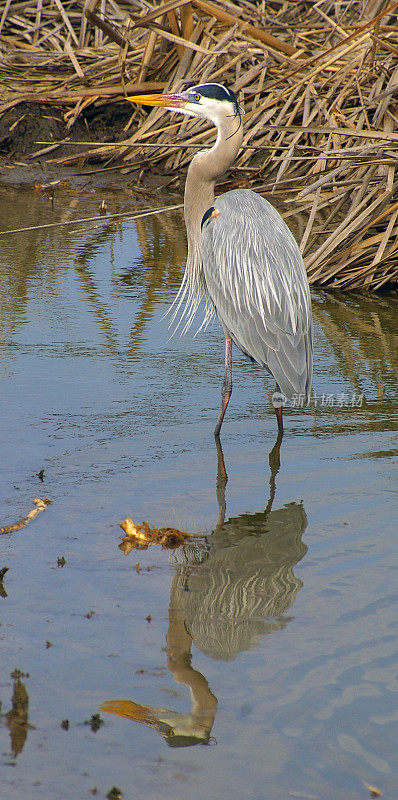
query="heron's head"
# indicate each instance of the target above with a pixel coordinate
(207, 101)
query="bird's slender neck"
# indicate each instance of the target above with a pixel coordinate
(206, 167)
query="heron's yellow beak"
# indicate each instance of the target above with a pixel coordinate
(167, 100)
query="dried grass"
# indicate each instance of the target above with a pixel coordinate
(319, 84)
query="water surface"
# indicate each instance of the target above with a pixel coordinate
(260, 660)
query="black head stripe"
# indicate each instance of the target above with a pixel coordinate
(216, 92)
(206, 216)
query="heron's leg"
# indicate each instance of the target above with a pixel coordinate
(279, 415)
(226, 390)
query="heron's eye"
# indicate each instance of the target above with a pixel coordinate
(196, 97)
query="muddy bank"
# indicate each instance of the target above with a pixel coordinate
(29, 149)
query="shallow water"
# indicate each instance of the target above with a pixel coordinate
(273, 639)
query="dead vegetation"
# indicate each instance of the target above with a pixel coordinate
(139, 537)
(318, 81)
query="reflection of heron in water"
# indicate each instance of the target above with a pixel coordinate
(228, 591)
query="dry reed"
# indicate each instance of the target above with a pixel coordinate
(318, 82)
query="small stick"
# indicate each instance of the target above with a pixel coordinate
(40, 503)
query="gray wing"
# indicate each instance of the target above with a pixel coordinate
(256, 279)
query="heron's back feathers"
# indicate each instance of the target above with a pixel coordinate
(256, 279)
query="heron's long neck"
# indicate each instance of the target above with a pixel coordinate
(206, 167)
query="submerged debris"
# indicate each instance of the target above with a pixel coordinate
(3, 592)
(95, 722)
(139, 537)
(115, 793)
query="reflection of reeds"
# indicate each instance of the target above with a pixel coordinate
(44, 255)
(162, 240)
(162, 249)
(33, 254)
(162, 244)
(361, 332)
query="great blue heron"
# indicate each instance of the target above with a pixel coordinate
(242, 257)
